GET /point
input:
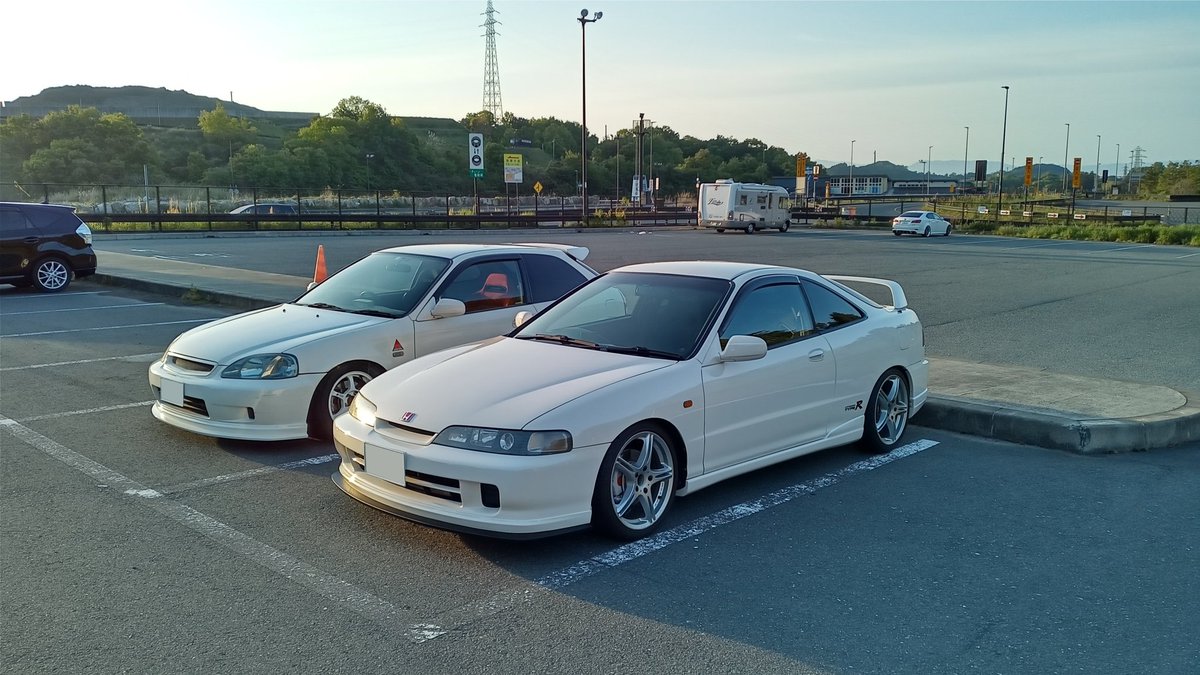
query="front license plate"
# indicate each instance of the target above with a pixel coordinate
(171, 391)
(384, 463)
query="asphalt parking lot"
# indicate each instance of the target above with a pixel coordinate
(130, 546)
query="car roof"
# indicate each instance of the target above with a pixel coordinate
(716, 269)
(456, 250)
(38, 205)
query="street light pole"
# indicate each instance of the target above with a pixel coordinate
(850, 188)
(1117, 167)
(1003, 138)
(928, 163)
(966, 150)
(583, 22)
(1096, 178)
(370, 156)
(1066, 150)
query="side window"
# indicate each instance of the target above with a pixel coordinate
(829, 309)
(741, 200)
(12, 222)
(550, 277)
(490, 284)
(777, 314)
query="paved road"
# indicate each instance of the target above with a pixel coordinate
(1111, 310)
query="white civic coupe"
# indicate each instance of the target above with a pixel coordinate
(651, 381)
(286, 371)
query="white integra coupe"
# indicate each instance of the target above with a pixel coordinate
(651, 381)
(286, 371)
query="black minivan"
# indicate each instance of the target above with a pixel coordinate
(43, 245)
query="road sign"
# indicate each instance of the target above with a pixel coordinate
(475, 155)
(1028, 171)
(512, 168)
(1075, 182)
(537, 187)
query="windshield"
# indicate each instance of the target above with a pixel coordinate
(657, 315)
(381, 284)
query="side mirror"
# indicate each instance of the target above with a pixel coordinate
(521, 318)
(448, 307)
(743, 348)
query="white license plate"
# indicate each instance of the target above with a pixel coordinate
(384, 463)
(171, 391)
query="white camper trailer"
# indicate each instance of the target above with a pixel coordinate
(743, 206)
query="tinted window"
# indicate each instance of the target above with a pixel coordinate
(911, 214)
(829, 309)
(490, 284)
(12, 221)
(550, 277)
(778, 314)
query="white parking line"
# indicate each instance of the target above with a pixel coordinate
(128, 325)
(339, 591)
(1052, 243)
(1123, 248)
(70, 413)
(1190, 255)
(134, 358)
(43, 296)
(249, 473)
(555, 581)
(86, 309)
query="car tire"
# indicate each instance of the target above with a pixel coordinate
(333, 394)
(784, 227)
(947, 234)
(895, 233)
(720, 230)
(926, 232)
(51, 275)
(749, 228)
(886, 415)
(636, 483)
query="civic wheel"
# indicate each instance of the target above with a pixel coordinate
(749, 228)
(926, 232)
(334, 393)
(51, 275)
(636, 483)
(887, 412)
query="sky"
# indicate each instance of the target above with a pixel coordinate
(898, 81)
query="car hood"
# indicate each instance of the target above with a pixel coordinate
(504, 383)
(274, 329)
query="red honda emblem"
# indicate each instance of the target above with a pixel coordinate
(408, 417)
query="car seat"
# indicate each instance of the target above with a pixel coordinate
(495, 286)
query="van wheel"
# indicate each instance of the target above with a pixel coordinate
(51, 275)
(749, 228)
(720, 229)
(784, 227)
(333, 395)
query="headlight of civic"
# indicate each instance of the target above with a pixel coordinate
(505, 441)
(263, 367)
(362, 410)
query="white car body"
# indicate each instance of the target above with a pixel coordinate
(727, 410)
(924, 223)
(327, 344)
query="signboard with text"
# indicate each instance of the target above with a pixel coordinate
(1075, 181)
(1028, 171)
(475, 155)
(512, 168)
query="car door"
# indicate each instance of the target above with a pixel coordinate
(493, 292)
(755, 408)
(18, 241)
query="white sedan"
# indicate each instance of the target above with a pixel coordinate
(923, 223)
(651, 381)
(286, 371)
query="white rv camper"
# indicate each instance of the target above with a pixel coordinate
(743, 206)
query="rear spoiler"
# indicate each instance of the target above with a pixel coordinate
(899, 300)
(576, 252)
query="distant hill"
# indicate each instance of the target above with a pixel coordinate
(140, 103)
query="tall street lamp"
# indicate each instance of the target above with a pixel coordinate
(966, 149)
(1096, 178)
(583, 22)
(1003, 138)
(928, 163)
(1037, 175)
(1066, 149)
(1117, 166)
(850, 188)
(370, 156)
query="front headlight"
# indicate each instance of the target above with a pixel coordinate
(505, 441)
(362, 410)
(263, 367)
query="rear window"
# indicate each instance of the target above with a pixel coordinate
(52, 218)
(912, 214)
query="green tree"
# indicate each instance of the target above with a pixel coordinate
(78, 145)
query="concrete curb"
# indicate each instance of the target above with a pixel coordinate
(1048, 429)
(190, 294)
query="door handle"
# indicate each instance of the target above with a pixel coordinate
(816, 355)
(29, 240)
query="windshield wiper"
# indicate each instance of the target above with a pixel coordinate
(642, 351)
(562, 340)
(372, 312)
(322, 305)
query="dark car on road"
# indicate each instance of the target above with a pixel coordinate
(43, 245)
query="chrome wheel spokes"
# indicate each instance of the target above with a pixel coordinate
(344, 390)
(643, 479)
(891, 409)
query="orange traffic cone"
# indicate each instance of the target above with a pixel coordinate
(320, 274)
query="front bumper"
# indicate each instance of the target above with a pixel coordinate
(250, 410)
(506, 496)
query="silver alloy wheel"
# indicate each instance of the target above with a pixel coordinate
(52, 275)
(926, 232)
(642, 481)
(344, 389)
(891, 409)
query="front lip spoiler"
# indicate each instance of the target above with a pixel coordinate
(340, 481)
